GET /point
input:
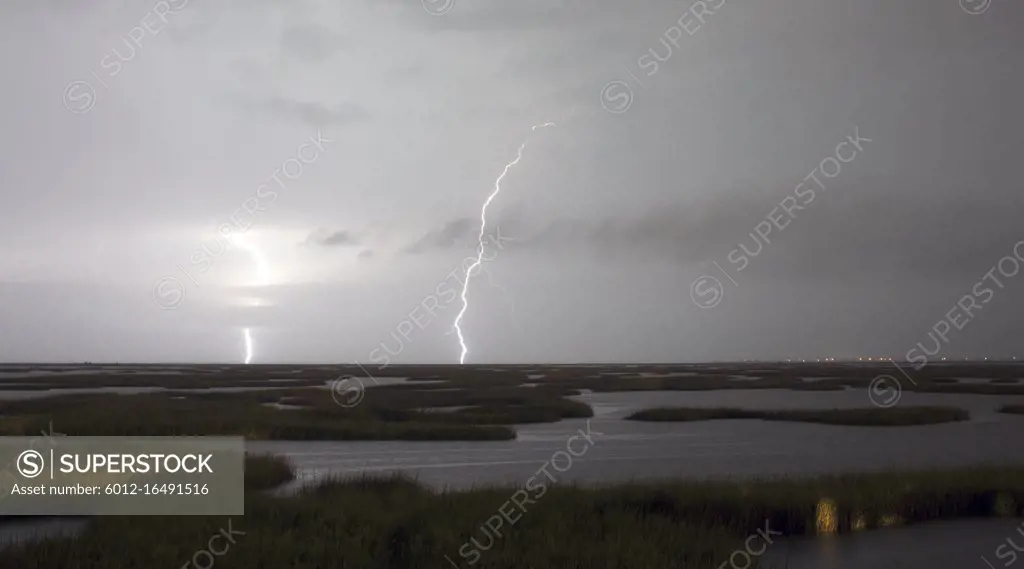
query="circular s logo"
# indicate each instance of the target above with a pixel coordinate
(616, 97)
(707, 291)
(975, 7)
(169, 293)
(438, 7)
(348, 391)
(79, 97)
(885, 391)
(30, 464)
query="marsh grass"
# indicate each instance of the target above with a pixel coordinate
(266, 471)
(1012, 409)
(557, 380)
(474, 402)
(378, 523)
(891, 417)
(383, 414)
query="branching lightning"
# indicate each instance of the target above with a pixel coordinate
(481, 245)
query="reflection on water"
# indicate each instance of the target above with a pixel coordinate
(621, 404)
(827, 521)
(957, 544)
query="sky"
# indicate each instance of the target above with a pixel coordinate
(724, 180)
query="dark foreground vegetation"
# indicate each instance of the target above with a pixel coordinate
(1012, 409)
(396, 523)
(882, 417)
(264, 472)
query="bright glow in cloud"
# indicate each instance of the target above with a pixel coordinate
(263, 272)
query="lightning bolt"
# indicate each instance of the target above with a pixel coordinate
(248, 345)
(481, 245)
(263, 273)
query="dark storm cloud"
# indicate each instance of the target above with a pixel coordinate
(828, 235)
(339, 238)
(612, 216)
(456, 233)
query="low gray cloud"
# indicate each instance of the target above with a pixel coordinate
(837, 232)
(457, 232)
(339, 238)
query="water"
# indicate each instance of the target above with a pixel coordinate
(957, 544)
(628, 450)
(619, 405)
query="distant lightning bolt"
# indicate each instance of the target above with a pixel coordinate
(263, 274)
(481, 245)
(248, 345)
